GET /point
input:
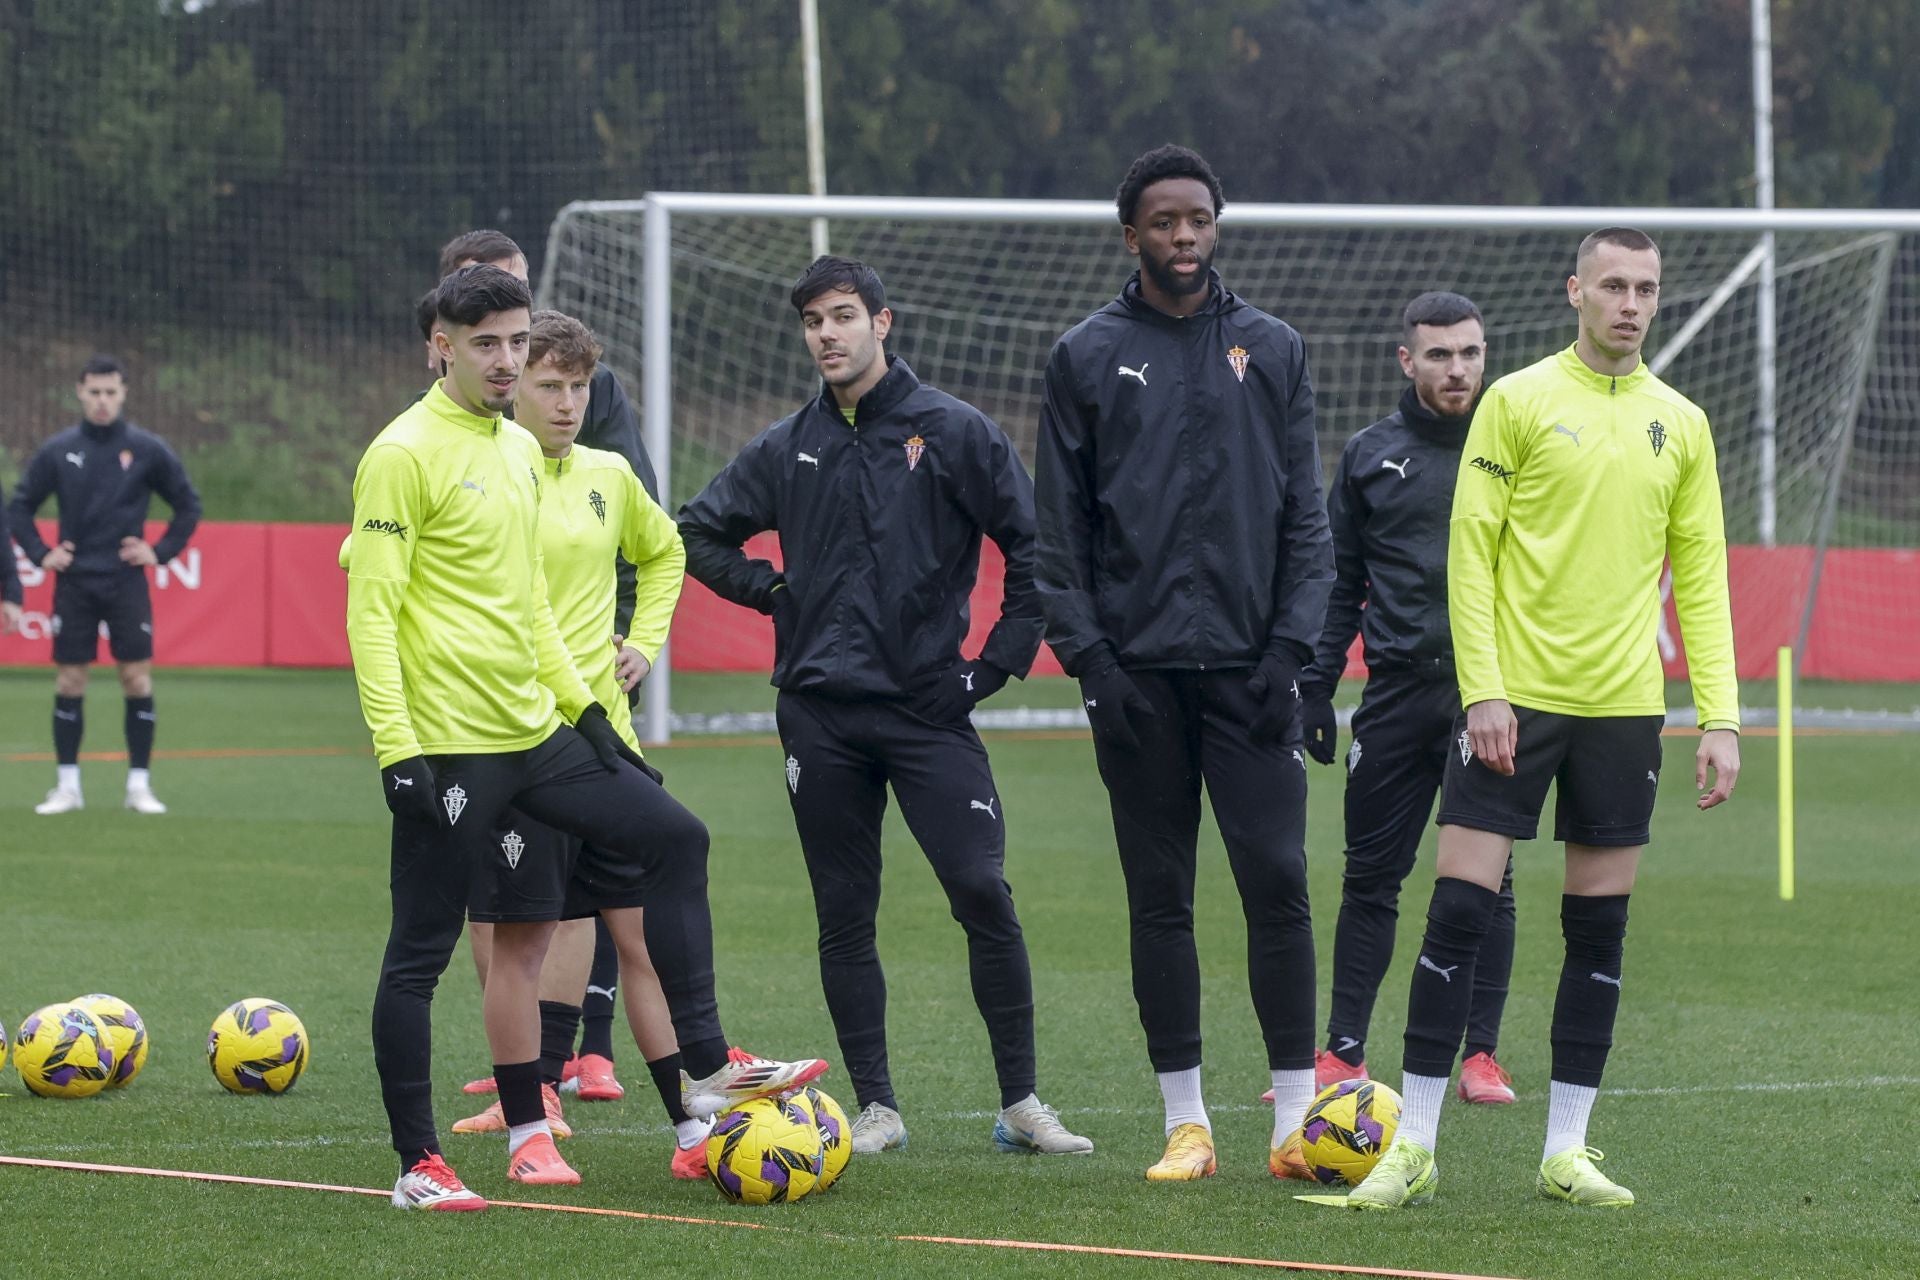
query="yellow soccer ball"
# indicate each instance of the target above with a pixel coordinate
(1349, 1124)
(126, 1034)
(836, 1135)
(766, 1151)
(63, 1053)
(257, 1046)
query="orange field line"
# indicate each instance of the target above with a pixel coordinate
(1037, 1246)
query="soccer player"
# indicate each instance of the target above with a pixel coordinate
(1581, 475)
(611, 423)
(466, 684)
(105, 471)
(592, 510)
(880, 488)
(1183, 567)
(1388, 508)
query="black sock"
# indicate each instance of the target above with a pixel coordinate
(1589, 997)
(1492, 969)
(139, 732)
(558, 1023)
(704, 1057)
(1353, 1053)
(69, 722)
(1442, 987)
(666, 1078)
(520, 1101)
(603, 985)
(408, 1159)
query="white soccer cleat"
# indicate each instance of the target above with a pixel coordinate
(1032, 1125)
(432, 1185)
(878, 1128)
(743, 1078)
(141, 800)
(61, 800)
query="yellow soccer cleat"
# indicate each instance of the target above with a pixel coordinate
(1570, 1176)
(1289, 1159)
(1188, 1158)
(1406, 1175)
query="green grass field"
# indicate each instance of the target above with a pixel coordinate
(1760, 1099)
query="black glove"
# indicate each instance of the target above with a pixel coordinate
(961, 688)
(1322, 730)
(410, 793)
(594, 726)
(1277, 694)
(1114, 703)
(659, 778)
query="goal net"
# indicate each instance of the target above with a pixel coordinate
(1823, 503)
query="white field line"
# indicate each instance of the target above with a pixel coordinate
(661, 1129)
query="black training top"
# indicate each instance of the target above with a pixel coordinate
(105, 478)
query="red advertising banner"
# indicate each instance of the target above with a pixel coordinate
(245, 595)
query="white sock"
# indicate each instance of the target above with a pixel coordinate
(67, 777)
(689, 1133)
(139, 780)
(1420, 1099)
(1293, 1093)
(1180, 1091)
(518, 1135)
(1568, 1106)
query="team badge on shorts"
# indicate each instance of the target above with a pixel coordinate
(1466, 748)
(793, 775)
(456, 801)
(1353, 756)
(1237, 357)
(916, 448)
(513, 846)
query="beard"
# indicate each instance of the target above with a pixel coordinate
(1161, 272)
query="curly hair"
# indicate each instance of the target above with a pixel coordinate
(1157, 165)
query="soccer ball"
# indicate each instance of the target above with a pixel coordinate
(836, 1136)
(766, 1151)
(1347, 1127)
(257, 1046)
(3, 1044)
(63, 1053)
(125, 1033)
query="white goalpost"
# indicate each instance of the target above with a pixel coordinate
(688, 292)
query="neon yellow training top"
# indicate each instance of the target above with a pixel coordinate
(454, 646)
(592, 507)
(1574, 486)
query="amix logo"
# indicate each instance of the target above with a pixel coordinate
(1494, 469)
(393, 527)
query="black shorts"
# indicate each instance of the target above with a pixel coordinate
(82, 601)
(1607, 768)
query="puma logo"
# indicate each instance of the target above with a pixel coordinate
(1569, 432)
(1140, 373)
(1446, 973)
(985, 805)
(807, 457)
(1601, 977)
(1400, 467)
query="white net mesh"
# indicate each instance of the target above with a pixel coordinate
(978, 305)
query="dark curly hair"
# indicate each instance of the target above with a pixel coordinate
(1157, 165)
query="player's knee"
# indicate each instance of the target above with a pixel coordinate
(70, 681)
(979, 897)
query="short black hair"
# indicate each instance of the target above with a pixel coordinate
(477, 246)
(473, 293)
(828, 274)
(423, 312)
(1439, 309)
(101, 364)
(1626, 237)
(1157, 165)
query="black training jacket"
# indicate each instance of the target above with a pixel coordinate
(1391, 499)
(105, 477)
(1178, 481)
(880, 524)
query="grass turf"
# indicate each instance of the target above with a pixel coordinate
(1765, 1052)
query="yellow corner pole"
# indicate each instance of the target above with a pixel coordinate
(1785, 687)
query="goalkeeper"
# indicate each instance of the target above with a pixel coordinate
(1582, 475)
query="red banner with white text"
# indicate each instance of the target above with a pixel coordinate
(249, 595)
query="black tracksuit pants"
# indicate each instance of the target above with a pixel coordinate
(840, 757)
(1402, 734)
(561, 783)
(1201, 732)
